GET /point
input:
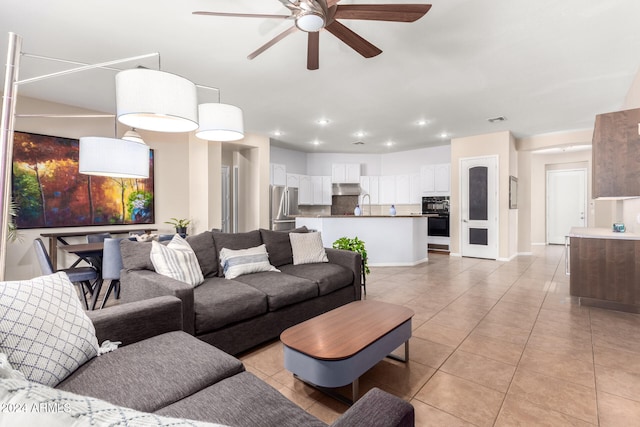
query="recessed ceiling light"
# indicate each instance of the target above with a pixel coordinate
(277, 133)
(323, 122)
(423, 122)
(389, 143)
(360, 134)
(444, 135)
(316, 142)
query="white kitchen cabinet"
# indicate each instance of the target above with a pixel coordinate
(305, 190)
(278, 174)
(442, 178)
(371, 186)
(345, 173)
(293, 180)
(415, 194)
(435, 179)
(387, 190)
(402, 189)
(326, 191)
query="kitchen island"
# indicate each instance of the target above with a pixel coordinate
(604, 268)
(390, 240)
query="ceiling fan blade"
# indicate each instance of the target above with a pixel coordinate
(271, 42)
(313, 51)
(353, 40)
(240, 15)
(383, 12)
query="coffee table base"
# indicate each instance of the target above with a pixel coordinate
(326, 375)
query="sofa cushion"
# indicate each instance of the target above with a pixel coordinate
(43, 329)
(242, 400)
(38, 405)
(202, 244)
(153, 373)
(136, 255)
(281, 289)
(177, 260)
(219, 302)
(235, 241)
(279, 245)
(328, 277)
(235, 263)
(307, 248)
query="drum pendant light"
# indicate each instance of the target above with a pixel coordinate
(220, 122)
(118, 158)
(156, 100)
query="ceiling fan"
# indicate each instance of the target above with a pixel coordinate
(311, 16)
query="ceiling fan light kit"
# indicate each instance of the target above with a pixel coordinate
(312, 16)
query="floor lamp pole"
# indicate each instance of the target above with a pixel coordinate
(6, 141)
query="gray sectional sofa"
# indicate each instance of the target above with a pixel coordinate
(238, 314)
(160, 369)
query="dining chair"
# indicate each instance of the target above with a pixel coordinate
(111, 266)
(98, 237)
(80, 276)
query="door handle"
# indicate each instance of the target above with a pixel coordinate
(464, 220)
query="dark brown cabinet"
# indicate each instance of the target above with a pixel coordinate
(616, 154)
(606, 272)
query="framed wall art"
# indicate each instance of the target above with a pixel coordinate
(49, 191)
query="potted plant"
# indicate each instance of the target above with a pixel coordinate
(12, 231)
(180, 225)
(355, 245)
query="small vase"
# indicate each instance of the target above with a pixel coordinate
(392, 210)
(357, 211)
(182, 231)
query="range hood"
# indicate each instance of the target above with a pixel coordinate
(346, 190)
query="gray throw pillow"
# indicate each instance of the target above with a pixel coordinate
(279, 245)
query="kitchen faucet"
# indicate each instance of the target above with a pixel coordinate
(367, 195)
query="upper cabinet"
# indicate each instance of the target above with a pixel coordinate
(293, 180)
(278, 174)
(345, 173)
(435, 179)
(616, 154)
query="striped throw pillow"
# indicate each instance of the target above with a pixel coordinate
(245, 261)
(177, 260)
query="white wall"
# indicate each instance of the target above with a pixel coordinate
(404, 162)
(295, 161)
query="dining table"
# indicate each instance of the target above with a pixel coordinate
(92, 254)
(60, 237)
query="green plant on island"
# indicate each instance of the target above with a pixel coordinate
(354, 245)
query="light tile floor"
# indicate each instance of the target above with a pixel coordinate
(494, 344)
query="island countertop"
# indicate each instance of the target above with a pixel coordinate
(399, 240)
(601, 233)
(367, 216)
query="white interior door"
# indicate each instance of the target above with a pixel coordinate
(479, 207)
(566, 203)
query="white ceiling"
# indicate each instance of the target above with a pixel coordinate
(546, 65)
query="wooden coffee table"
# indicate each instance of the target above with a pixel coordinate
(334, 349)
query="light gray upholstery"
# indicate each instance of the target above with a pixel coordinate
(98, 237)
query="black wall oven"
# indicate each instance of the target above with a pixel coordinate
(438, 225)
(438, 205)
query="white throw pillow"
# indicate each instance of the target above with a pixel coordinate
(177, 260)
(44, 330)
(245, 261)
(307, 248)
(29, 404)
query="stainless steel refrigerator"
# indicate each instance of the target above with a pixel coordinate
(284, 207)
